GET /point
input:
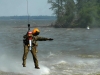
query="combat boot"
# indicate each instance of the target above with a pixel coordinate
(23, 65)
(37, 68)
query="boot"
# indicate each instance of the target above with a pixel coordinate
(23, 65)
(37, 68)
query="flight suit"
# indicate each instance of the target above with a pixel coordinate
(33, 51)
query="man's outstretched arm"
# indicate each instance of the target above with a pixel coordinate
(42, 38)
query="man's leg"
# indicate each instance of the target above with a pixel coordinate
(25, 55)
(33, 51)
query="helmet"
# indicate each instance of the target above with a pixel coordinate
(36, 31)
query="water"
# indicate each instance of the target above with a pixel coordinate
(74, 51)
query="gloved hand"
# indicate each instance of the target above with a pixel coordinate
(50, 39)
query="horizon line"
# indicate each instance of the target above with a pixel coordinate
(27, 15)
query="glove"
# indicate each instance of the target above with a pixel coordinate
(50, 39)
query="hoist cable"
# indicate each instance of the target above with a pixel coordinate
(27, 11)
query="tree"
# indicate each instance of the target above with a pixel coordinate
(87, 12)
(76, 13)
(64, 10)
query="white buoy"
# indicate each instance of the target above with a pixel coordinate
(88, 27)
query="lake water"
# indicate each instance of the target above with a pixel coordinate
(74, 51)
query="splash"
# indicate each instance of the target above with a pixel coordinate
(11, 65)
(44, 70)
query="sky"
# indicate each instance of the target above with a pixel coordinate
(19, 8)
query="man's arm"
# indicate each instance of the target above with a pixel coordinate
(37, 38)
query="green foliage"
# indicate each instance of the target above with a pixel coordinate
(81, 13)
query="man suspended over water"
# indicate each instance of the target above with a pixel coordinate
(35, 38)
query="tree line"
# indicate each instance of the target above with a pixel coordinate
(76, 13)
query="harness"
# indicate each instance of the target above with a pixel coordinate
(25, 41)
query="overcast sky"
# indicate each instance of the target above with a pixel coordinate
(19, 7)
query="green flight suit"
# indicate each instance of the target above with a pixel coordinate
(33, 51)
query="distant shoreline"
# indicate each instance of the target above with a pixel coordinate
(26, 17)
